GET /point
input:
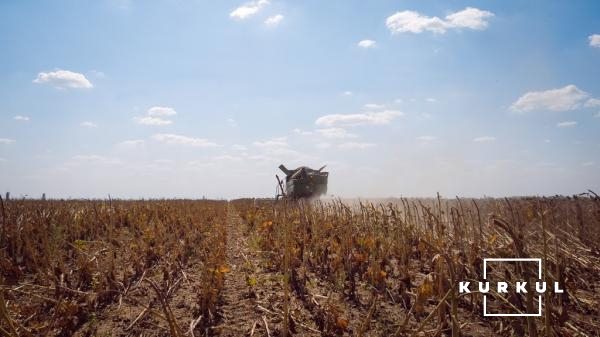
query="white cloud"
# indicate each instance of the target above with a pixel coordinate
(469, 17)
(413, 22)
(566, 124)
(301, 132)
(367, 44)
(597, 114)
(239, 147)
(21, 118)
(323, 145)
(248, 10)
(347, 93)
(588, 164)
(484, 139)
(594, 40)
(355, 146)
(133, 143)
(431, 100)
(161, 111)
(272, 143)
(426, 138)
(274, 20)
(63, 79)
(232, 123)
(399, 100)
(183, 140)
(2, 160)
(335, 133)
(98, 74)
(7, 141)
(374, 106)
(97, 159)
(226, 157)
(152, 121)
(88, 124)
(592, 102)
(373, 118)
(562, 99)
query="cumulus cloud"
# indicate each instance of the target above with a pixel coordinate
(155, 116)
(274, 20)
(133, 143)
(183, 140)
(562, 99)
(594, 40)
(592, 102)
(272, 143)
(335, 133)
(88, 124)
(367, 118)
(98, 74)
(239, 147)
(231, 122)
(484, 139)
(7, 141)
(97, 159)
(323, 145)
(63, 79)
(302, 132)
(414, 22)
(469, 17)
(374, 106)
(248, 10)
(367, 44)
(152, 121)
(355, 146)
(347, 93)
(21, 118)
(426, 138)
(566, 124)
(161, 111)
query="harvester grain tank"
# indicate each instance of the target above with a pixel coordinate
(303, 182)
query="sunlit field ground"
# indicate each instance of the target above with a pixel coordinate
(322, 268)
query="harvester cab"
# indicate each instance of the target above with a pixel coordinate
(302, 182)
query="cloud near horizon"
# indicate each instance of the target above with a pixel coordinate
(335, 133)
(156, 121)
(367, 118)
(161, 111)
(183, 140)
(484, 139)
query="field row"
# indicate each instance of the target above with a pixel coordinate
(258, 267)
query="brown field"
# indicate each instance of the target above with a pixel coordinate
(259, 268)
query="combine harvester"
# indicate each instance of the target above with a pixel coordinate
(302, 183)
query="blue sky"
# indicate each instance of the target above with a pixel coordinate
(206, 98)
